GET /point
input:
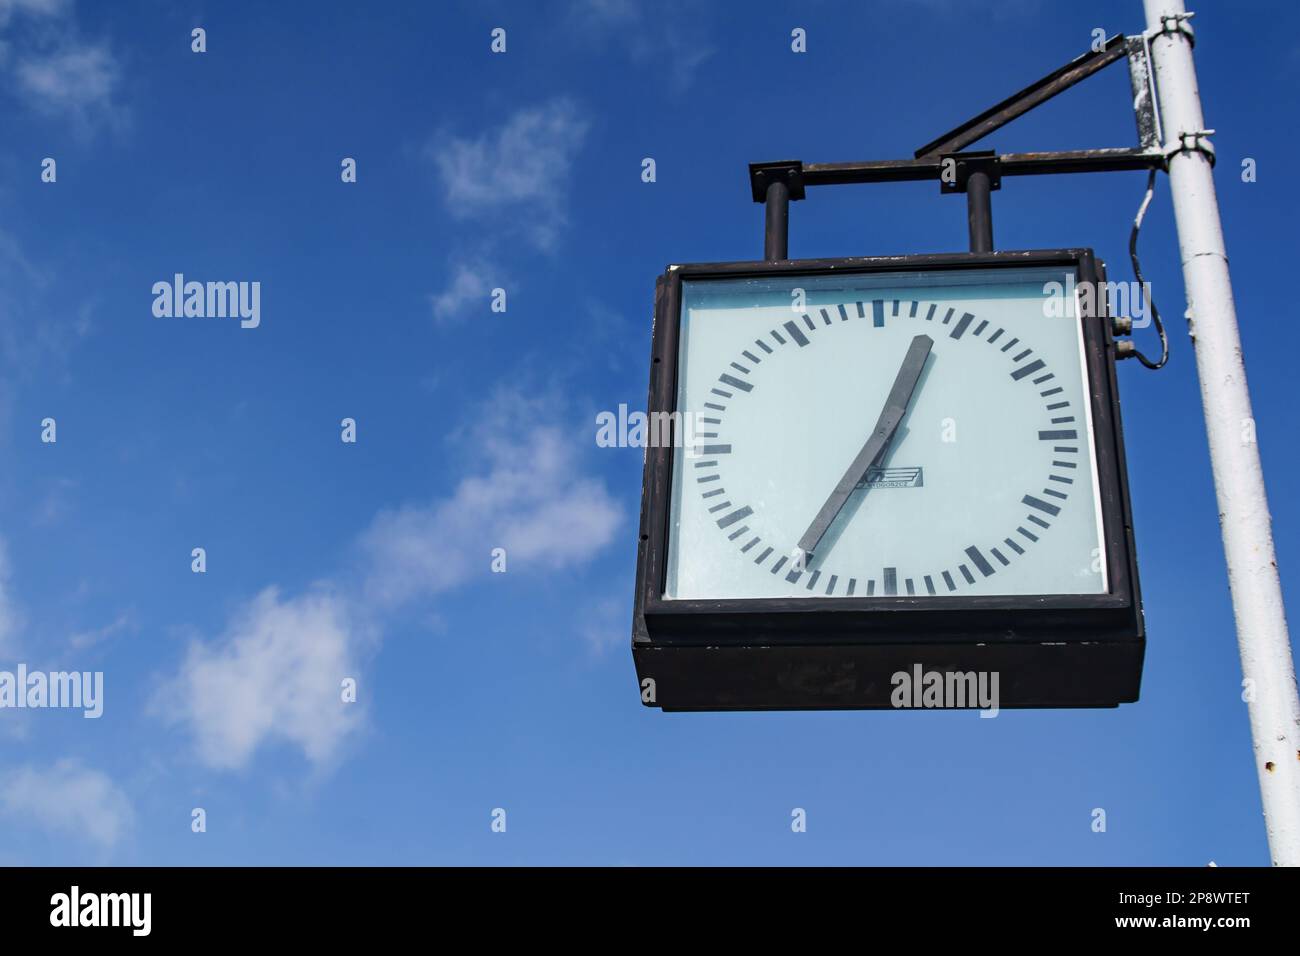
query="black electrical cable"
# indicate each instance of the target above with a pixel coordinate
(1141, 283)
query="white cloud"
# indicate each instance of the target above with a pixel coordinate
(275, 674)
(58, 73)
(530, 498)
(651, 35)
(69, 799)
(77, 80)
(518, 172)
(468, 289)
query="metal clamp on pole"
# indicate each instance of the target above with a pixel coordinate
(775, 184)
(1197, 141)
(976, 174)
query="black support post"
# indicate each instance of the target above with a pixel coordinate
(776, 230)
(775, 185)
(979, 212)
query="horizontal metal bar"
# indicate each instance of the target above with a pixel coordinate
(1017, 104)
(1009, 164)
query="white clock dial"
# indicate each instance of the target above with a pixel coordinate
(984, 485)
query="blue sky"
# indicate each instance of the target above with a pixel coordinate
(476, 429)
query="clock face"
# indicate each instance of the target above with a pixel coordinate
(911, 433)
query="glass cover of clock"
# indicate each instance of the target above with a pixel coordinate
(911, 433)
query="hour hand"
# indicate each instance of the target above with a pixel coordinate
(900, 396)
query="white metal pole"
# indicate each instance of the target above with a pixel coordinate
(1234, 456)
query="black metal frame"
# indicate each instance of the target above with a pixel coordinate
(760, 645)
(977, 173)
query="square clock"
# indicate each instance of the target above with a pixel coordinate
(861, 467)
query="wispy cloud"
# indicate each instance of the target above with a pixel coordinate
(275, 673)
(9, 618)
(653, 35)
(514, 176)
(529, 497)
(69, 799)
(472, 278)
(59, 73)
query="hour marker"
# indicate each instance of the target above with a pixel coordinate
(1063, 420)
(777, 335)
(830, 586)
(929, 584)
(737, 533)
(1054, 493)
(995, 336)
(1061, 479)
(947, 579)
(796, 333)
(862, 314)
(878, 312)
(720, 507)
(871, 587)
(1010, 345)
(979, 561)
(1041, 505)
(807, 320)
(1028, 534)
(711, 421)
(1066, 449)
(701, 481)
(911, 313)
(929, 316)
(721, 393)
(812, 580)
(751, 356)
(1013, 546)
(752, 542)
(706, 464)
(999, 555)
(1044, 378)
(891, 580)
(826, 317)
(777, 567)
(729, 379)
(1017, 358)
(715, 406)
(909, 586)
(740, 368)
(962, 325)
(1058, 434)
(735, 516)
(1054, 407)
(715, 491)
(1052, 391)
(965, 573)
(794, 575)
(763, 345)
(1029, 369)
(979, 329)
(715, 450)
(853, 583)
(895, 312)
(948, 318)
(1038, 521)
(763, 557)
(1064, 464)
(844, 313)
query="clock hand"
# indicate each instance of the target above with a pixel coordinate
(900, 396)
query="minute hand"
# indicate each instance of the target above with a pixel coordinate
(900, 396)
